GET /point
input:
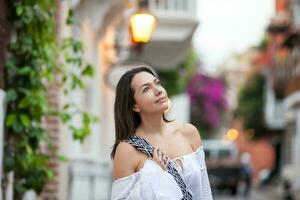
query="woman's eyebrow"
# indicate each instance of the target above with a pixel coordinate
(149, 83)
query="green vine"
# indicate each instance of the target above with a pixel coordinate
(35, 62)
(251, 104)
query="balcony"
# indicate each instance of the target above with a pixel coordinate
(286, 73)
(180, 8)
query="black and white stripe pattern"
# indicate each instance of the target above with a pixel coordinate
(142, 145)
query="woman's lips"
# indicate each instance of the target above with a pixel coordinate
(160, 100)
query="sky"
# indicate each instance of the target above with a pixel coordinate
(229, 26)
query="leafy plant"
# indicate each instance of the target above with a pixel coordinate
(36, 61)
(250, 105)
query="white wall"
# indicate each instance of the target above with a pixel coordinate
(293, 113)
(2, 114)
(297, 150)
(180, 108)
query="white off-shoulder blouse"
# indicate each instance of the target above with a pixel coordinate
(154, 183)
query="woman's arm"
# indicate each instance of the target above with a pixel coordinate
(125, 161)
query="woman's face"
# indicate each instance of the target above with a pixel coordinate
(149, 95)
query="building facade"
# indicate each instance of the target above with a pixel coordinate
(103, 29)
(283, 85)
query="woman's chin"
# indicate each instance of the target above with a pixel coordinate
(165, 109)
(162, 110)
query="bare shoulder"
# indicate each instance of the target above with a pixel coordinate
(125, 160)
(192, 134)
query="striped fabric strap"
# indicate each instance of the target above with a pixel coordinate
(142, 145)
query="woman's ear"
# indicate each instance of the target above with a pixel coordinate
(136, 108)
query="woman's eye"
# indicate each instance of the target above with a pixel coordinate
(145, 89)
(157, 83)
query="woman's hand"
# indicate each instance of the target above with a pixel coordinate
(160, 157)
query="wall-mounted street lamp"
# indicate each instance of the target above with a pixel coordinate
(142, 24)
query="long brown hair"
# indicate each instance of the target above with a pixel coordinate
(126, 119)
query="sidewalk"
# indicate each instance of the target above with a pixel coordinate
(270, 192)
(266, 193)
(297, 195)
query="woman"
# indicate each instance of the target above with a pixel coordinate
(154, 158)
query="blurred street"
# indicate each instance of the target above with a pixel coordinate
(257, 193)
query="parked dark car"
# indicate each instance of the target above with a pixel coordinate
(223, 165)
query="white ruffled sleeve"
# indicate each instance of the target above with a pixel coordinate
(206, 189)
(150, 183)
(126, 188)
(195, 175)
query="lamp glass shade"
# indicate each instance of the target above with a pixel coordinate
(142, 26)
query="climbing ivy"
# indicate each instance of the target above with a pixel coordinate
(36, 61)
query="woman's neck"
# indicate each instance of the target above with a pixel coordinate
(152, 124)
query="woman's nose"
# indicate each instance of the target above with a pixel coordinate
(157, 91)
